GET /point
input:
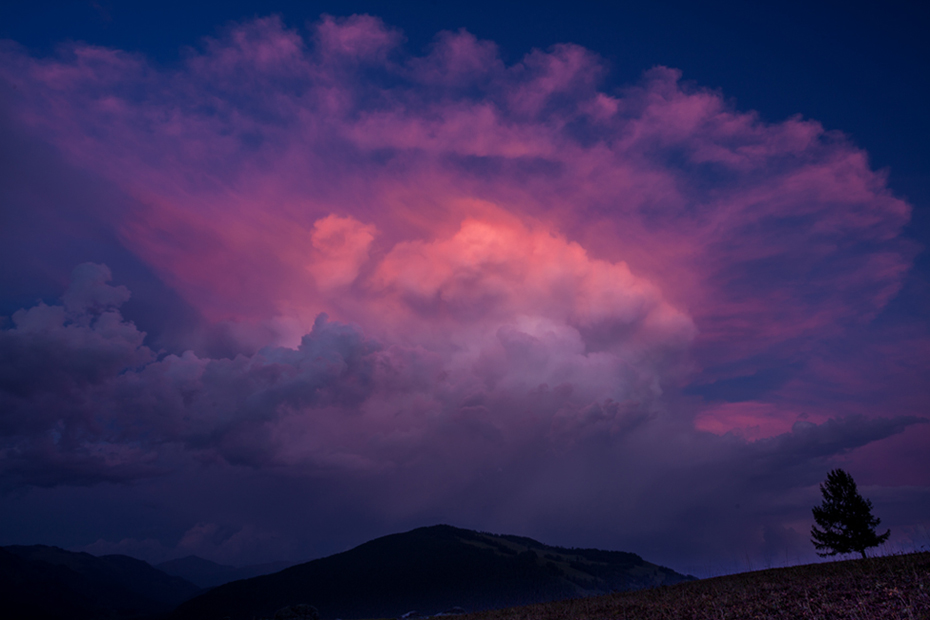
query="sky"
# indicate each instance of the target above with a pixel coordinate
(282, 277)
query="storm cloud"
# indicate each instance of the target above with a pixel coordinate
(453, 288)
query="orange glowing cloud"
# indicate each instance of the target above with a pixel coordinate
(341, 246)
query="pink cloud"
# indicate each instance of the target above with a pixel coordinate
(749, 420)
(676, 201)
(359, 37)
(342, 246)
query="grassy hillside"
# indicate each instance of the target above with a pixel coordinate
(890, 587)
(430, 570)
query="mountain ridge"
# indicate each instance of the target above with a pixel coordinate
(432, 569)
(41, 581)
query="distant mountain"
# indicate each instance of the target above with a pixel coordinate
(207, 574)
(44, 582)
(430, 570)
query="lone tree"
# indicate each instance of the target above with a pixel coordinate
(845, 518)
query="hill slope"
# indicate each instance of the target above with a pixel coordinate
(38, 581)
(884, 587)
(430, 570)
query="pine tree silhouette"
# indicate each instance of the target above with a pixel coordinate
(845, 518)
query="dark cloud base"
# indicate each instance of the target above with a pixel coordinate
(87, 403)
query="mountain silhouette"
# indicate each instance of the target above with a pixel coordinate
(207, 574)
(430, 570)
(43, 582)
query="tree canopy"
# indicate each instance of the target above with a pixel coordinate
(845, 519)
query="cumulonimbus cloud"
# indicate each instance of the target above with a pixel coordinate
(444, 265)
(248, 151)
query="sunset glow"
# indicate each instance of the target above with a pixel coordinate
(445, 286)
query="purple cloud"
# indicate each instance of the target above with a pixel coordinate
(445, 287)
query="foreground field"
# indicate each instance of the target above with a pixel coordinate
(886, 587)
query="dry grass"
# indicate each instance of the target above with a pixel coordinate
(892, 587)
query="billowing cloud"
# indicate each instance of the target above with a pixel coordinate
(53, 365)
(443, 280)
(81, 387)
